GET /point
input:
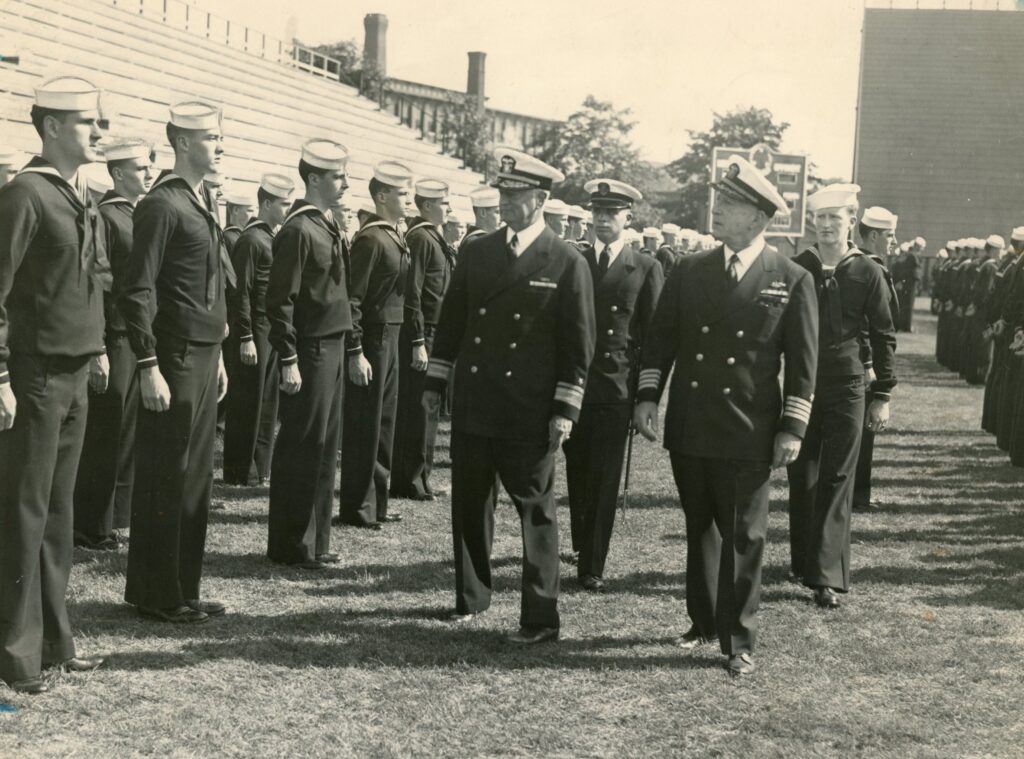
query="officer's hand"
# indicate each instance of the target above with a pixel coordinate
(222, 379)
(559, 430)
(99, 373)
(787, 448)
(645, 419)
(878, 415)
(998, 327)
(247, 352)
(8, 406)
(360, 371)
(431, 401)
(869, 375)
(291, 380)
(419, 358)
(156, 396)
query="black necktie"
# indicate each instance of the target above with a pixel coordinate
(734, 274)
(602, 263)
(513, 248)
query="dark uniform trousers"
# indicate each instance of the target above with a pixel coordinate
(415, 427)
(251, 409)
(370, 429)
(593, 469)
(305, 462)
(862, 477)
(103, 492)
(726, 506)
(821, 484)
(170, 503)
(527, 470)
(38, 462)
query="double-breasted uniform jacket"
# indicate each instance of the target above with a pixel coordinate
(430, 272)
(307, 293)
(726, 344)
(52, 256)
(523, 334)
(624, 302)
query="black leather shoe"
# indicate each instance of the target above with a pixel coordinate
(392, 517)
(328, 558)
(107, 543)
(31, 686)
(691, 639)
(741, 664)
(592, 582)
(311, 565)
(209, 608)
(826, 598)
(528, 635)
(182, 615)
(82, 663)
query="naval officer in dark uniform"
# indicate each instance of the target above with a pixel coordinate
(310, 315)
(252, 403)
(725, 320)
(626, 290)
(877, 232)
(103, 490)
(173, 305)
(519, 320)
(431, 261)
(853, 296)
(380, 263)
(51, 347)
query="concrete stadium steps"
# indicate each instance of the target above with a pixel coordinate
(144, 66)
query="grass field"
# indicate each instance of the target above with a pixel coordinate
(924, 658)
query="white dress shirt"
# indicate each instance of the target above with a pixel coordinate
(526, 237)
(747, 256)
(614, 248)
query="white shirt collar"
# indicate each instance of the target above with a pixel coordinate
(747, 256)
(526, 237)
(614, 248)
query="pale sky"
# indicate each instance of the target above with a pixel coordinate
(673, 62)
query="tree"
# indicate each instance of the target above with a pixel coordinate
(595, 141)
(739, 128)
(465, 132)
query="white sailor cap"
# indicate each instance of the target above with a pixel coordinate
(952, 243)
(431, 188)
(920, 242)
(325, 154)
(877, 217)
(577, 212)
(652, 232)
(631, 235)
(277, 185)
(195, 114)
(520, 171)
(484, 197)
(670, 229)
(127, 148)
(995, 241)
(68, 93)
(392, 173)
(236, 197)
(977, 243)
(904, 247)
(555, 207)
(98, 183)
(611, 194)
(839, 195)
(690, 235)
(214, 179)
(1018, 234)
(942, 254)
(366, 206)
(744, 182)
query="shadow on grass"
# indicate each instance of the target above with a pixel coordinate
(375, 639)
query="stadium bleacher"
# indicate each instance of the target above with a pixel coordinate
(146, 62)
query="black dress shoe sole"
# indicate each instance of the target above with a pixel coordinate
(545, 636)
(390, 518)
(328, 558)
(82, 665)
(181, 618)
(32, 687)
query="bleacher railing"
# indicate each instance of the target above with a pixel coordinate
(188, 18)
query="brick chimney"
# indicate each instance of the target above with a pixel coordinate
(375, 48)
(475, 84)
